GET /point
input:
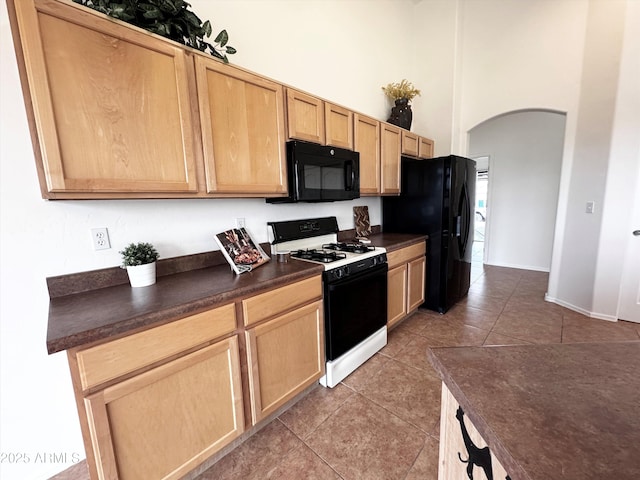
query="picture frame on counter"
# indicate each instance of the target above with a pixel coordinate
(240, 250)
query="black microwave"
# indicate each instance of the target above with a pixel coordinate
(319, 173)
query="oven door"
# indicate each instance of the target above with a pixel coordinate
(355, 308)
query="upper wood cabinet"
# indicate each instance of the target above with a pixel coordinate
(367, 142)
(390, 142)
(243, 130)
(425, 147)
(109, 106)
(305, 117)
(338, 126)
(409, 143)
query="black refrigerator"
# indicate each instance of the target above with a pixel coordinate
(437, 199)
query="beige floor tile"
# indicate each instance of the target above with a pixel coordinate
(79, 471)
(414, 353)
(590, 330)
(358, 379)
(495, 338)
(533, 327)
(475, 317)
(454, 334)
(410, 393)
(397, 339)
(363, 441)
(302, 463)
(256, 457)
(483, 302)
(426, 465)
(305, 416)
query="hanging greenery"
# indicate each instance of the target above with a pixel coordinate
(170, 18)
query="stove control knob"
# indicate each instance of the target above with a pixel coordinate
(338, 273)
(347, 270)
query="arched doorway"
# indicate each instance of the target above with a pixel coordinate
(524, 151)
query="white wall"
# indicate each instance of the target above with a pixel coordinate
(343, 51)
(617, 222)
(575, 267)
(519, 55)
(525, 151)
(436, 61)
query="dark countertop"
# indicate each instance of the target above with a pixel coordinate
(93, 315)
(90, 306)
(394, 241)
(562, 411)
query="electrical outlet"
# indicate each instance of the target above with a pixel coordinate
(591, 207)
(240, 223)
(100, 237)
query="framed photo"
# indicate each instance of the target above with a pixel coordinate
(242, 253)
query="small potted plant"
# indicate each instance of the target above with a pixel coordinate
(140, 261)
(401, 93)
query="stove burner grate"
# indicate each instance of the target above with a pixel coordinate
(348, 247)
(318, 255)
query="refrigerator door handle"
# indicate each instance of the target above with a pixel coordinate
(458, 225)
(465, 208)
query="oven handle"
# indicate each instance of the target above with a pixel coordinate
(371, 272)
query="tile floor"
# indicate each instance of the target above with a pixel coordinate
(382, 422)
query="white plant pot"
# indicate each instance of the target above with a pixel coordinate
(142, 275)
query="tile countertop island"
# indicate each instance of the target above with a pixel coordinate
(562, 411)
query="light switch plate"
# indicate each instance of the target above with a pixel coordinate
(591, 206)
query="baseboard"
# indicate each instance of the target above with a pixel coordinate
(562, 303)
(519, 267)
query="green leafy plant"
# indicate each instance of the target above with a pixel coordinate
(138, 254)
(403, 89)
(170, 18)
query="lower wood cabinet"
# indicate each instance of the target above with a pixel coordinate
(159, 402)
(285, 356)
(164, 422)
(459, 437)
(405, 281)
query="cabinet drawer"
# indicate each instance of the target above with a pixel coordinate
(111, 360)
(266, 305)
(405, 254)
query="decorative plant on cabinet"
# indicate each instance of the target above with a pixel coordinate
(170, 18)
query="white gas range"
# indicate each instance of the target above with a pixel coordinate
(355, 290)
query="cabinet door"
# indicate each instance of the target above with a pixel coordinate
(285, 356)
(416, 282)
(163, 423)
(305, 116)
(409, 144)
(110, 106)
(425, 149)
(396, 294)
(390, 159)
(367, 142)
(338, 126)
(242, 120)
